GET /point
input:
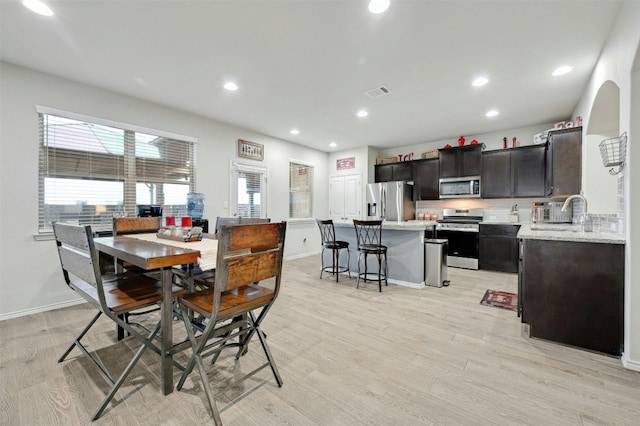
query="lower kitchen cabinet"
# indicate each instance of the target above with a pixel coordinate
(573, 293)
(498, 247)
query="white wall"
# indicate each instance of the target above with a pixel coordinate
(30, 276)
(616, 64)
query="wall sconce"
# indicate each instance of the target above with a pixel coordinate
(613, 152)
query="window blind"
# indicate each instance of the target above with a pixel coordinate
(300, 190)
(90, 172)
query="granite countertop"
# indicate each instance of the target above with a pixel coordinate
(562, 235)
(411, 225)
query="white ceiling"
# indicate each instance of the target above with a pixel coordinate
(306, 64)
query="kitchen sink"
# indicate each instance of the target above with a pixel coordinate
(555, 227)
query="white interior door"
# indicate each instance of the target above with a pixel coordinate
(344, 197)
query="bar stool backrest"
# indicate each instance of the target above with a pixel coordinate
(368, 232)
(327, 231)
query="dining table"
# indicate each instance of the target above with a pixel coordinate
(151, 253)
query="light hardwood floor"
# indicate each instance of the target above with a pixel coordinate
(347, 356)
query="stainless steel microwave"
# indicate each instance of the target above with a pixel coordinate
(460, 187)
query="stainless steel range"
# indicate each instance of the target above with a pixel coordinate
(462, 228)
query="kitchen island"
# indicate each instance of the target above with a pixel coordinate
(405, 253)
(571, 287)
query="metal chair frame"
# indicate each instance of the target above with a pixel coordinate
(236, 305)
(369, 235)
(113, 295)
(328, 234)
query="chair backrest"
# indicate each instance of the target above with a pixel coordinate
(368, 232)
(327, 231)
(135, 225)
(248, 254)
(247, 220)
(223, 221)
(78, 257)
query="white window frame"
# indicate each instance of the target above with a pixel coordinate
(312, 190)
(249, 167)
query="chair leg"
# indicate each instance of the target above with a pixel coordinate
(321, 262)
(336, 259)
(265, 347)
(125, 373)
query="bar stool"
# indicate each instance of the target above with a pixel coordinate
(328, 234)
(369, 234)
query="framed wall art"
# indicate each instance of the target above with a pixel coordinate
(252, 150)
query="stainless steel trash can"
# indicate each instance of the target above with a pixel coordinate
(435, 262)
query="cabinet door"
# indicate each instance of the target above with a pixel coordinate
(352, 198)
(448, 163)
(528, 171)
(498, 248)
(344, 197)
(564, 162)
(337, 191)
(470, 161)
(425, 180)
(403, 171)
(384, 172)
(496, 174)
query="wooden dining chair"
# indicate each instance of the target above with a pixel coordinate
(238, 302)
(112, 295)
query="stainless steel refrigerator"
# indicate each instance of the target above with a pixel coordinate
(390, 201)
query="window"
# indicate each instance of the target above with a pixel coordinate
(91, 171)
(300, 190)
(249, 189)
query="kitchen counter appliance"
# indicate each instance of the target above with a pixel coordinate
(462, 228)
(460, 187)
(550, 212)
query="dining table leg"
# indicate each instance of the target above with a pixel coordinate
(166, 318)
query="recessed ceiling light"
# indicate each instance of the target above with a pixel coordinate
(295, 132)
(480, 81)
(492, 113)
(378, 6)
(362, 113)
(333, 144)
(230, 86)
(561, 70)
(38, 7)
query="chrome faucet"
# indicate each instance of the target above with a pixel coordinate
(566, 203)
(587, 221)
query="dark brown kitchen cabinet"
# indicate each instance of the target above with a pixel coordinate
(573, 293)
(498, 247)
(564, 162)
(514, 172)
(394, 171)
(496, 174)
(460, 161)
(425, 179)
(528, 171)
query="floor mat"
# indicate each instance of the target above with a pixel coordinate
(500, 299)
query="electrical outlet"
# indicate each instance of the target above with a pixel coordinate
(304, 241)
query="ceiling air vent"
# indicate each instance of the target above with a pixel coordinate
(377, 92)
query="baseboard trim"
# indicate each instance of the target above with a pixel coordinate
(629, 363)
(39, 309)
(301, 255)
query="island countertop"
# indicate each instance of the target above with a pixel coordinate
(411, 225)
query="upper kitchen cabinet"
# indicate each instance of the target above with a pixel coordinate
(496, 174)
(514, 172)
(528, 171)
(426, 174)
(461, 161)
(393, 172)
(564, 162)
